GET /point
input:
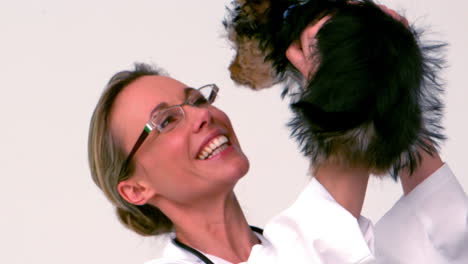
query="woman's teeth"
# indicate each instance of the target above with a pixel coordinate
(213, 147)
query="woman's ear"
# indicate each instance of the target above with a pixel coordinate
(135, 191)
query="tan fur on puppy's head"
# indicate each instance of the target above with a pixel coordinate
(249, 66)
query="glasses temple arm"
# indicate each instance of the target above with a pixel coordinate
(137, 145)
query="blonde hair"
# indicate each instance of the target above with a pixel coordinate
(106, 158)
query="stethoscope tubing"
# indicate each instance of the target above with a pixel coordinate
(200, 255)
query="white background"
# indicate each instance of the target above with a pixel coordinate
(55, 58)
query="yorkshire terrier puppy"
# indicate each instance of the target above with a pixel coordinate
(373, 98)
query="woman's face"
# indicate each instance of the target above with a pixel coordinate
(171, 164)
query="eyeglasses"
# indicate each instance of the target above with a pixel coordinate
(167, 119)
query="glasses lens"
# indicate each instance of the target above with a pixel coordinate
(204, 95)
(168, 119)
(209, 92)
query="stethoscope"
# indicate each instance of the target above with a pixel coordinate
(200, 255)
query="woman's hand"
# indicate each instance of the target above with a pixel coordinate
(395, 15)
(300, 52)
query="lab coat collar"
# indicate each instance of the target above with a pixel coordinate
(330, 213)
(173, 252)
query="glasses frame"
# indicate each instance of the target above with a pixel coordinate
(150, 126)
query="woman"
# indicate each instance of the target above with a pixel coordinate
(181, 175)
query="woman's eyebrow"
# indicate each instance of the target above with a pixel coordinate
(157, 108)
(188, 91)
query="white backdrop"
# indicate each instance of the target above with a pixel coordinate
(55, 58)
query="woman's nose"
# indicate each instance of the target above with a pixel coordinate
(199, 117)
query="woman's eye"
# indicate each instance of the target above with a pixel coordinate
(167, 121)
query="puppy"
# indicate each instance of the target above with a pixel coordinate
(373, 97)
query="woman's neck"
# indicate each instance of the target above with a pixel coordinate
(217, 228)
(347, 184)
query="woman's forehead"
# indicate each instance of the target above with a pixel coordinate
(155, 87)
(140, 97)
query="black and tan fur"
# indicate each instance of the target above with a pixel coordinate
(374, 99)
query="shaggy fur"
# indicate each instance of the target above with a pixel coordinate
(374, 98)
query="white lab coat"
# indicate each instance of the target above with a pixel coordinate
(315, 229)
(428, 226)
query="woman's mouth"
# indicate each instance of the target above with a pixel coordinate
(213, 147)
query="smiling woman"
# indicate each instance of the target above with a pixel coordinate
(180, 172)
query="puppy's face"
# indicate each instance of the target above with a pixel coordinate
(250, 68)
(246, 31)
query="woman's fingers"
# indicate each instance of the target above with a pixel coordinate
(296, 56)
(300, 54)
(395, 15)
